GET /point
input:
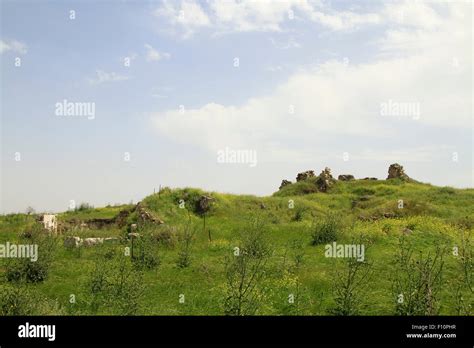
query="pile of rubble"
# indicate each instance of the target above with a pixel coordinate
(395, 171)
(305, 175)
(325, 180)
(145, 216)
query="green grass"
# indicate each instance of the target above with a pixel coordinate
(435, 215)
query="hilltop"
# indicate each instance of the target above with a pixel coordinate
(186, 241)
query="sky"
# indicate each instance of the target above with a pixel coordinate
(104, 101)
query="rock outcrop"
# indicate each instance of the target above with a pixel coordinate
(395, 171)
(305, 175)
(145, 216)
(325, 180)
(345, 177)
(284, 183)
(204, 204)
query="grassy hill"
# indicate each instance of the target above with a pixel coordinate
(255, 255)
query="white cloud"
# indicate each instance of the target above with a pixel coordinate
(338, 100)
(250, 15)
(290, 43)
(344, 20)
(14, 46)
(102, 76)
(187, 14)
(153, 55)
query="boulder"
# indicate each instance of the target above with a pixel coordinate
(204, 204)
(305, 175)
(111, 240)
(93, 241)
(325, 180)
(285, 183)
(367, 178)
(395, 171)
(345, 177)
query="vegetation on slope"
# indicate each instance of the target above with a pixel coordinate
(198, 262)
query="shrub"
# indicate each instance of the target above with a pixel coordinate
(166, 236)
(15, 300)
(115, 286)
(299, 212)
(351, 283)
(417, 281)
(23, 269)
(186, 238)
(83, 207)
(145, 249)
(254, 239)
(326, 230)
(245, 271)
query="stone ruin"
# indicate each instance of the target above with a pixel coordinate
(395, 171)
(284, 183)
(204, 204)
(345, 177)
(325, 180)
(305, 175)
(145, 216)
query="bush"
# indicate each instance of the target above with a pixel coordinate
(326, 231)
(299, 212)
(23, 269)
(15, 300)
(115, 286)
(145, 252)
(254, 239)
(418, 281)
(186, 238)
(246, 270)
(350, 283)
(84, 207)
(166, 236)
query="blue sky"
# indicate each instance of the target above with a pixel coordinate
(334, 64)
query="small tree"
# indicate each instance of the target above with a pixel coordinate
(27, 270)
(417, 281)
(146, 254)
(326, 230)
(245, 271)
(463, 293)
(351, 283)
(115, 286)
(185, 240)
